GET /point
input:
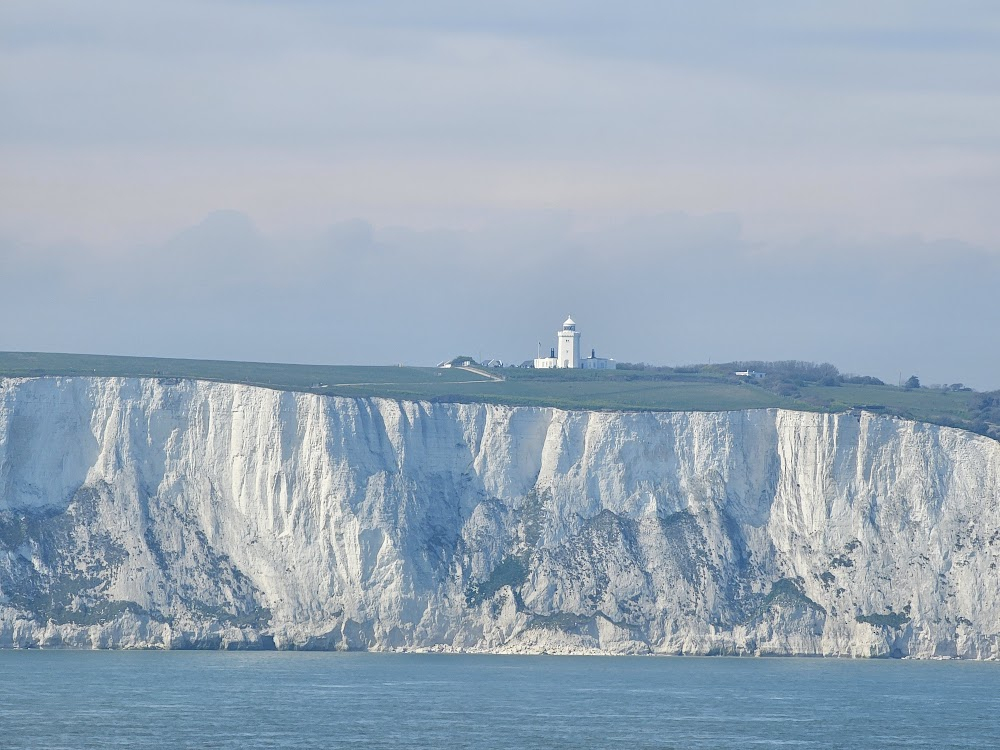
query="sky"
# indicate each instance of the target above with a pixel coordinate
(401, 182)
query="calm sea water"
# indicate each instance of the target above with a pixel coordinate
(74, 699)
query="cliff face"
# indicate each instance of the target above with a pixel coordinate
(138, 513)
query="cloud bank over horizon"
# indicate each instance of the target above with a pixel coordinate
(691, 182)
(666, 289)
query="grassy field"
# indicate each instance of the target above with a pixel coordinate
(313, 378)
(595, 393)
(922, 404)
(623, 390)
(577, 389)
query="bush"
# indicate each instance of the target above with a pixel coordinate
(862, 380)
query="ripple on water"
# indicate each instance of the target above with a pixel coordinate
(67, 699)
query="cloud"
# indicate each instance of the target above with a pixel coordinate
(667, 289)
(799, 117)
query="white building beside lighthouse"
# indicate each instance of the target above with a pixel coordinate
(567, 352)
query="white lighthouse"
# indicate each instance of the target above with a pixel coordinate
(569, 345)
(567, 353)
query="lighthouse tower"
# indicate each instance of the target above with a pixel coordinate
(569, 345)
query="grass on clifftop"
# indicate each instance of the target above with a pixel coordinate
(578, 389)
(312, 378)
(789, 385)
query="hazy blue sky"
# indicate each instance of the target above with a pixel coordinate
(403, 181)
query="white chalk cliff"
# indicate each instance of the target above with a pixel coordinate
(155, 513)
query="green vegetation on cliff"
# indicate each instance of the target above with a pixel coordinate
(633, 387)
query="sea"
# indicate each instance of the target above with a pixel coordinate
(206, 699)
